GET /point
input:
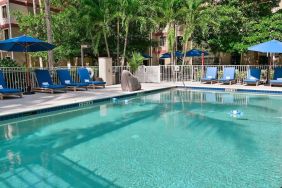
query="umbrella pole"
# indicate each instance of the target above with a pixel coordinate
(203, 63)
(269, 67)
(28, 89)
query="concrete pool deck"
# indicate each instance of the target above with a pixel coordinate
(40, 101)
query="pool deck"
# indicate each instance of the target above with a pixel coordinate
(40, 101)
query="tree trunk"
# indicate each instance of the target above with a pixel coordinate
(49, 32)
(184, 51)
(40, 6)
(118, 31)
(106, 42)
(125, 45)
(34, 6)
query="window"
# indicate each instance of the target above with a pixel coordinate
(162, 41)
(4, 11)
(6, 34)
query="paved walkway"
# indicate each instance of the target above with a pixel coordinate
(44, 100)
(39, 101)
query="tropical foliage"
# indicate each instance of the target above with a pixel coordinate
(8, 63)
(116, 28)
(135, 61)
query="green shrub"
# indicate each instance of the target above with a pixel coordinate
(8, 63)
(135, 61)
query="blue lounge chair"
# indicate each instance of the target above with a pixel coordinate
(45, 83)
(85, 78)
(4, 91)
(253, 76)
(228, 76)
(65, 79)
(211, 75)
(277, 78)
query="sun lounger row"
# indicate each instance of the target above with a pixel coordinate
(66, 82)
(45, 83)
(253, 76)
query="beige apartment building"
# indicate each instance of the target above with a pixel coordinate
(221, 58)
(8, 23)
(9, 26)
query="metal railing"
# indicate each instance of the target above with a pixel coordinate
(177, 73)
(17, 77)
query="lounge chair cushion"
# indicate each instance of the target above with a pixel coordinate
(67, 82)
(76, 84)
(65, 79)
(207, 79)
(211, 74)
(85, 77)
(228, 75)
(45, 84)
(3, 86)
(97, 82)
(54, 87)
(252, 80)
(276, 82)
(9, 91)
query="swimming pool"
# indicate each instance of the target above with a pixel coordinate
(173, 138)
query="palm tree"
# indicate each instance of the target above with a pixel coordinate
(167, 10)
(191, 14)
(134, 11)
(49, 32)
(98, 16)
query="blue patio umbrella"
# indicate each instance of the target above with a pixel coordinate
(147, 56)
(168, 55)
(165, 56)
(195, 53)
(25, 44)
(273, 46)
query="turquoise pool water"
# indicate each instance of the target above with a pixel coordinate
(175, 138)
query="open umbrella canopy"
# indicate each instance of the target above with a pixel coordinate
(273, 46)
(25, 44)
(195, 53)
(165, 55)
(147, 56)
(168, 55)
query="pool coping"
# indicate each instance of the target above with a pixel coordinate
(42, 110)
(235, 90)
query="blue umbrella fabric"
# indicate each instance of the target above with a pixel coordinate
(273, 46)
(146, 56)
(195, 53)
(25, 44)
(165, 56)
(168, 55)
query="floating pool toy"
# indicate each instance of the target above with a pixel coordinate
(117, 101)
(236, 113)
